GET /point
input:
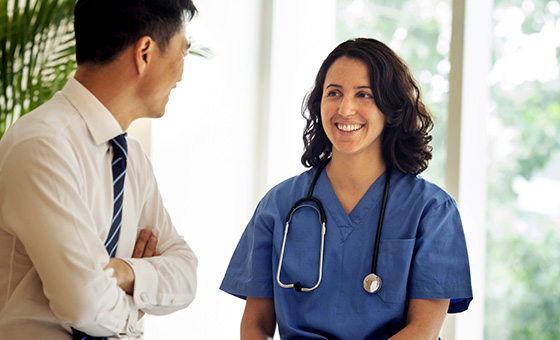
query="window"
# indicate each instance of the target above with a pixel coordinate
(523, 257)
(233, 129)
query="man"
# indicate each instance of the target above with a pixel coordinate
(76, 258)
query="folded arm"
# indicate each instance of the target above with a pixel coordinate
(45, 205)
(43, 190)
(163, 264)
(145, 247)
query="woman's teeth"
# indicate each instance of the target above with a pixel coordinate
(348, 127)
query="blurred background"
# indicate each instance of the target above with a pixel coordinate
(488, 71)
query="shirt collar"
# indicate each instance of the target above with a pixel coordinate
(101, 124)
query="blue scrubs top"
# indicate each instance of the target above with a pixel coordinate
(422, 255)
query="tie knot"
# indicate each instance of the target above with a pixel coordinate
(120, 146)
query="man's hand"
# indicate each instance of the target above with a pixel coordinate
(145, 247)
(123, 273)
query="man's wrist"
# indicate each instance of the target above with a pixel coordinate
(124, 274)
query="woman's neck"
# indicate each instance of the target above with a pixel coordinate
(352, 175)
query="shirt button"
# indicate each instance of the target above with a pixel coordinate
(131, 328)
(144, 297)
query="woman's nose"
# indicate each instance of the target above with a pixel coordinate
(347, 107)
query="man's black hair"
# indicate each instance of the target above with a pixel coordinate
(105, 28)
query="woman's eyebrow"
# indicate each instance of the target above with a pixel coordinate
(357, 87)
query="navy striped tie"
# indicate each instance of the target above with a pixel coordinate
(120, 155)
(119, 146)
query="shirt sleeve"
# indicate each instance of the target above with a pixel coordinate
(165, 283)
(440, 266)
(42, 206)
(250, 269)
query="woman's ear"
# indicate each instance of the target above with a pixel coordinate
(388, 119)
(143, 53)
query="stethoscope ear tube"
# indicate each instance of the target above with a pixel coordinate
(316, 177)
(380, 221)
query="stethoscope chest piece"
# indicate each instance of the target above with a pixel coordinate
(372, 283)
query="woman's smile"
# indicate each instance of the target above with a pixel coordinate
(349, 127)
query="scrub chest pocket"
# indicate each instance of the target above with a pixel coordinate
(395, 258)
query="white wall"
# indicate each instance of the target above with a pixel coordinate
(202, 152)
(232, 130)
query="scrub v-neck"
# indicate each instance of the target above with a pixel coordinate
(347, 223)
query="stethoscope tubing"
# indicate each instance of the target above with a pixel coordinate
(323, 218)
(380, 221)
(297, 285)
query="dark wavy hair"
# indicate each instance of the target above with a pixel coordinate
(105, 28)
(405, 138)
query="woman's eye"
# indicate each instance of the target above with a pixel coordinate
(364, 95)
(332, 94)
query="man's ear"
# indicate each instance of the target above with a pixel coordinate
(143, 53)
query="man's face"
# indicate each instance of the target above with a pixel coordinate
(165, 72)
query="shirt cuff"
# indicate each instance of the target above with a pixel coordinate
(145, 283)
(131, 330)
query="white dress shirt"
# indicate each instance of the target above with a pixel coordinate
(56, 206)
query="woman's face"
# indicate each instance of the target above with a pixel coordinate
(351, 119)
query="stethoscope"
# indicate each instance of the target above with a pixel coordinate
(372, 282)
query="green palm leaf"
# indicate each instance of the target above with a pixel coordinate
(36, 54)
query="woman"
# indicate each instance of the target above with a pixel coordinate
(367, 140)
